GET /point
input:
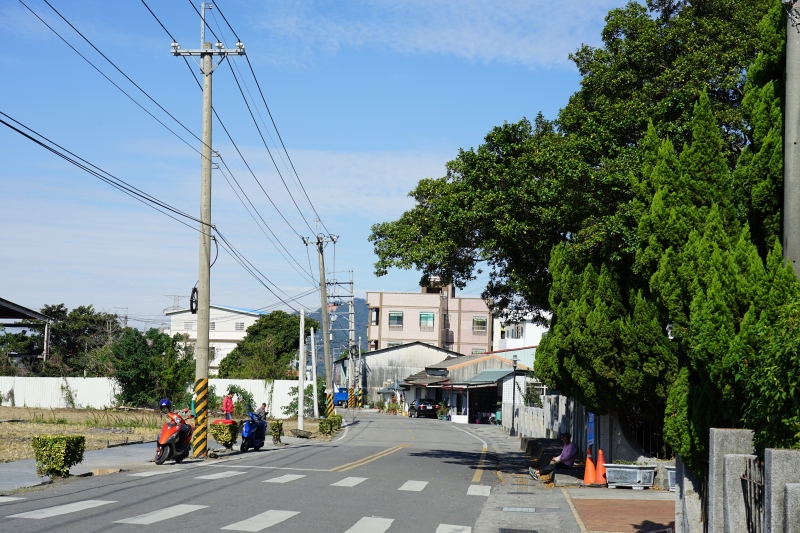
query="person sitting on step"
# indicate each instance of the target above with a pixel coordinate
(566, 459)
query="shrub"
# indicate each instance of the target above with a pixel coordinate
(276, 429)
(55, 454)
(326, 426)
(225, 434)
(336, 421)
(380, 404)
(394, 407)
(443, 411)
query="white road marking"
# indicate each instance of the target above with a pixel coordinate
(163, 514)
(275, 467)
(371, 524)
(220, 475)
(261, 521)
(4, 499)
(478, 490)
(449, 528)
(349, 482)
(152, 473)
(62, 509)
(284, 479)
(414, 486)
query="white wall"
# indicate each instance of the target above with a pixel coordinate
(50, 393)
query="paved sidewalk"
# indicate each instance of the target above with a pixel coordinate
(22, 474)
(520, 502)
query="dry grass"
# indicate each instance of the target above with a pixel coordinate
(99, 427)
(309, 425)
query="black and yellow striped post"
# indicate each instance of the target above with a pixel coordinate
(200, 440)
(329, 410)
(359, 399)
(351, 398)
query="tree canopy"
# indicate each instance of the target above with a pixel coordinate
(267, 349)
(643, 221)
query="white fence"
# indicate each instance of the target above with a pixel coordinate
(53, 393)
(560, 414)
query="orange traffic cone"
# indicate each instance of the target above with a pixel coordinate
(600, 472)
(589, 473)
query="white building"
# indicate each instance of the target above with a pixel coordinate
(227, 326)
(513, 330)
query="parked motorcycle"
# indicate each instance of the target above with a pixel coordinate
(175, 439)
(254, 432)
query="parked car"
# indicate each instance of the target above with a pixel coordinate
(423, 407)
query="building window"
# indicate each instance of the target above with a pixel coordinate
(477, 351)
(392, 344)
(374, 314)
(239, 326)
(479, 325)
(212, 326)
(395, 320)
(373, 345)
(212, 352)
(426, 321)
(188, 326)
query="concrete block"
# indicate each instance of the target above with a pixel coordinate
(720, 443)
(688, 509)
(791, 505)
(781, 467)
(734, 516)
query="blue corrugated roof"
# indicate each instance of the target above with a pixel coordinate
(489, 376)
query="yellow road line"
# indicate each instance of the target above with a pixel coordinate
(479, 472)
(574, 511)
(368, 459)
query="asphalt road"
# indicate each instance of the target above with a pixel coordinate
(386, 473)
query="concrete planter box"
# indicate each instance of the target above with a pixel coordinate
(460, 419)
(635, 476)
(671, 478)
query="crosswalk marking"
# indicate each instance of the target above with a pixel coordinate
(478, 490)
(414, 486)
(371, 524)
(4, 499)
(284, 479)
(153, 473)
(220, 475)
(449, 528)
(162, 514)
(261, 521)
(349, 482)
(62, 509)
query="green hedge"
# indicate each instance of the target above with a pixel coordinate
(55, 454)
(276, 429)
(326, 426)
(225, 434)
(337, 421)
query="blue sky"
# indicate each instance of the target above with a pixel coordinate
(369, 97)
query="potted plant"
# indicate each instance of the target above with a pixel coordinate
(443, 412)
(622, 473)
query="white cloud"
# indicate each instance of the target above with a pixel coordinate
(531, 33)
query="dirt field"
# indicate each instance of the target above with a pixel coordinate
(100, 428)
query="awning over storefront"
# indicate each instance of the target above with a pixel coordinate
(486, 378)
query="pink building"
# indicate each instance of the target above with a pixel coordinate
(433, 316)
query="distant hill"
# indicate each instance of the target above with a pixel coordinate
(340, 326)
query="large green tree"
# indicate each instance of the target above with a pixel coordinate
(150, 366)
(267, 348)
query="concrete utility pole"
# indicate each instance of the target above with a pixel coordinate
(301, 372)
(205, 53)
(314, 372)
(791, 150)
(326, 328)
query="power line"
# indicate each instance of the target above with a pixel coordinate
(264, 100)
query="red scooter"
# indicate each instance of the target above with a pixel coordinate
(175, 439)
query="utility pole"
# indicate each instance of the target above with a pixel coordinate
(301, 372)
(314, 372)
(206, 54)
(326, 328)
(791, 150)
(360, 379)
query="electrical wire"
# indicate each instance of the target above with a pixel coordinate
(271, 118)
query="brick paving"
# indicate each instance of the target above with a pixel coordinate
(626, 516)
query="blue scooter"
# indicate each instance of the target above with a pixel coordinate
(254, 432)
